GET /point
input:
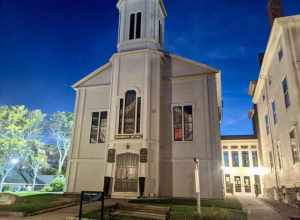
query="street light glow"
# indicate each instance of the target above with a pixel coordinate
(14, 160)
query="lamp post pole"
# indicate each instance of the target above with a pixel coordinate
(197, 185)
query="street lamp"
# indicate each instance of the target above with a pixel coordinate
(197, 185)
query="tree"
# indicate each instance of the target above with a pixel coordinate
(60, 127)
(37, 160)
(36, 154)
(13, 124)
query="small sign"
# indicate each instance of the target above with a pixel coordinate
(144, 155)
(128, 136)
(111, 155)
(89, 197)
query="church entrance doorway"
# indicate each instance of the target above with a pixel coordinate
(126, 179)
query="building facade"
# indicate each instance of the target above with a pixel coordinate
(276, 96)
(141, 118)
(243, 173)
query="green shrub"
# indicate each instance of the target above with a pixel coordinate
(58, 184)
(7, 188)
(49, 171)
(47, 189)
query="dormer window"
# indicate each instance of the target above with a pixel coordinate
(135, 26)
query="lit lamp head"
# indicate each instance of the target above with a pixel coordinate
(14, 161)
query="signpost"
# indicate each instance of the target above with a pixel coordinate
(197, 185)
(91, 196)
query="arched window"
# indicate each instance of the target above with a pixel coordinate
(130, 114)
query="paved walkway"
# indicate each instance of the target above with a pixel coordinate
(258, 210)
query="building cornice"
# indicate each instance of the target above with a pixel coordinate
(275, 36)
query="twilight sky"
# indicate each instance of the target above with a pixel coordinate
(46, 46)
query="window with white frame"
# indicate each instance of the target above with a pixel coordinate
(98, 127)
(274, 112)
(254, 159)
(271, 161)
(280, 54)
(267, 124)
(235, 158)
(130, 114)
(245, 159)
(226, 158)
(135, 27)
(294, 146)
(183, 123)
(286, 95)
(279, 157)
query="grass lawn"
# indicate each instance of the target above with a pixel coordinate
(33, 202)
(184, 209)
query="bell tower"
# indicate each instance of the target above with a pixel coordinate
(141, 24)
(275, 9)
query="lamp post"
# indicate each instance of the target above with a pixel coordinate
(197, 185)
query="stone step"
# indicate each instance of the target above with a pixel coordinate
(141, 211)
(139, 214)
(144, 208)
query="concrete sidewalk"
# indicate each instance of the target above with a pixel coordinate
(258, 210)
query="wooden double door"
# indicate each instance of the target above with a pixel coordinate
(126, 178)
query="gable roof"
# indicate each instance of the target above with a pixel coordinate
(197, 66)
(92, 75)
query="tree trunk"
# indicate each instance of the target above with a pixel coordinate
(62, 162)
(35, 173)
(60, 165)
(3, 179)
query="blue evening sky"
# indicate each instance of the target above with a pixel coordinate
(46, 46)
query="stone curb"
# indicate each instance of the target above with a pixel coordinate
(22, 214)
(76, 218)
(11, 214)
(52, 209)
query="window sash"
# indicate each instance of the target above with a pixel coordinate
(177, 123)
(271, 160)
(279, 157)
(267, 124)
(286, 93)
(130, 114)
(102, 127)
(98, 127)
(245, 158)
(132, 27)
(274, 112)
(294, 147)
(235, 159)
(255, 158)
(138, 25)
(226, 158)
(183, 123)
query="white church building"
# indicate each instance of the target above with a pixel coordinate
(143, 116)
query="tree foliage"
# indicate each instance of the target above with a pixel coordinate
(23, 134)
(13, 132)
